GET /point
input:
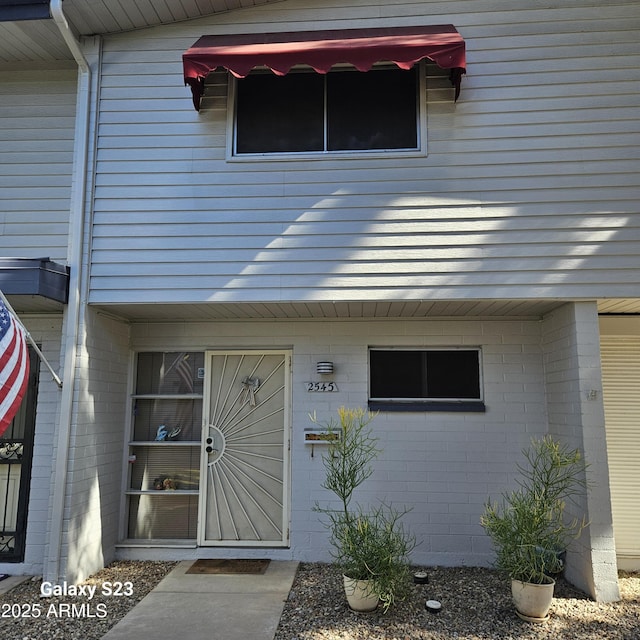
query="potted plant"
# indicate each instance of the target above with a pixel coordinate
(529, 527)
(370, 546)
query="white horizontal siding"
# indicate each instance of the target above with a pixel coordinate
(529, 188)
(37, 111)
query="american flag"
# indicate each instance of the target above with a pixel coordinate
(14, 366)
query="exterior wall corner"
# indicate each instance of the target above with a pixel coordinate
(576, 415)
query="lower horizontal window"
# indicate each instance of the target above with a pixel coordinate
(425, 379)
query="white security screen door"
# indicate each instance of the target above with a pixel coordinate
(245, 449)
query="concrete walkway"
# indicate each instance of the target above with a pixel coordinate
(210, 607)
(6, 584)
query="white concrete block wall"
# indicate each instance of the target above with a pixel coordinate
(442, 464)
(95, 457)
(576, 416)
(46, 331)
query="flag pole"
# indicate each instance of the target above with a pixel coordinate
(54, 375)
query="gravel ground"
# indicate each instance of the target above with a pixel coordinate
(476, 605)
(26, 615)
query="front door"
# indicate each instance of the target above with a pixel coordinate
(245, 449)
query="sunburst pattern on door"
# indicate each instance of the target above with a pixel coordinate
(244, 448)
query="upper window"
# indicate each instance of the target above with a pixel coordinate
(343, 110)
(441, 379)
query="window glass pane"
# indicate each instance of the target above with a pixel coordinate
(280, 113)
(166, 515)
(453, 374)
(181, 419)
(372, 110)
(153, 465)
(396, 374)
(169, 373)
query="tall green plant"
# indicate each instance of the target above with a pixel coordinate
(529, 526)
(367, 545)
(349, 458)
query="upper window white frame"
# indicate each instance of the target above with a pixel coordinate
(421, 126)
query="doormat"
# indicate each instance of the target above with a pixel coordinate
(229, 566)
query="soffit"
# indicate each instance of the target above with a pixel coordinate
(525, 309)
(332, 310)
(35, 305)
(40, 40)
(619, 306)
(416, 309)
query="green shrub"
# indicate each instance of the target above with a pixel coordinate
(528, 526)
(367, 545)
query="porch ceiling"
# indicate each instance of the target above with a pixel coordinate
(620, 306)
(327, 310)
(40, 40)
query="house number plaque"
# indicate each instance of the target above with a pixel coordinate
(322, 386)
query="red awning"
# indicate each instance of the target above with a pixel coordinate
(404, 46)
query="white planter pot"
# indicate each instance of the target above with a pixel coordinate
(360, 594)
(532, 601)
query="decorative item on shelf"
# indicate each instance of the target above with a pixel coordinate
(163, 434)
(165, 483)
(324, 367)
(169, 484)
(250, 387)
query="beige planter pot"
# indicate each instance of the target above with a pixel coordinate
(360, 594)
(532, 601)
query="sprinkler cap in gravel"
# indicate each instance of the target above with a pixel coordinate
(420, 577)
(433, 606)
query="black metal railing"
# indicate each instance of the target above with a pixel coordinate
(11, 453)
